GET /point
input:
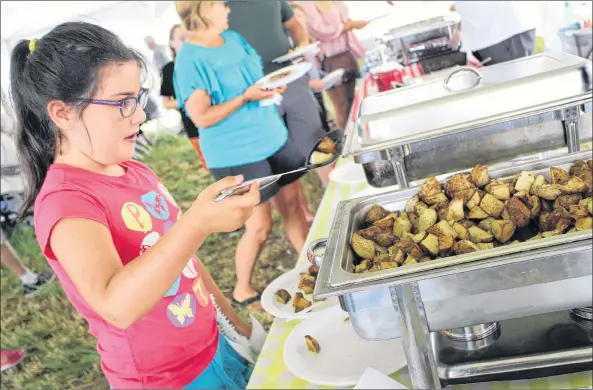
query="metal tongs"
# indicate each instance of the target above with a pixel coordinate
(266, 181)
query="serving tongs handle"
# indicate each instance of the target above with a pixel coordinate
(459, 70)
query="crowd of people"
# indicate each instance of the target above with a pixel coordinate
(120, 246)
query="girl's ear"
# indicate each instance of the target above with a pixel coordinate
(62, 115)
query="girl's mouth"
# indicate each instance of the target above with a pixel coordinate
(131, 138)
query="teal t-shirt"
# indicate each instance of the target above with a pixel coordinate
(250, 134)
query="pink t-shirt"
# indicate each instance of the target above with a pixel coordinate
(175, 341)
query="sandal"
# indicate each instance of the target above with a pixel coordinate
(247, 302)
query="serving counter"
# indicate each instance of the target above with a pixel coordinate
(270, 370)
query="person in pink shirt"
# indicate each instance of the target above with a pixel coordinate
(328, 23)
(119, 244)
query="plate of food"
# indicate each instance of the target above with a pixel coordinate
(326, 351)
(285, 75)
(305, 51)
(290, 295)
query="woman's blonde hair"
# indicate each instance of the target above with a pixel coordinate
(192, 13)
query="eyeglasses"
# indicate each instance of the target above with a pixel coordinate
(127, 106)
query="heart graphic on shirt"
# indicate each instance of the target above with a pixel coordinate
(149, 241)
(166, 193)
(181, 310)
(200, 292)
(156, 205)
(189, 271)
(174, 288)
(136, 218)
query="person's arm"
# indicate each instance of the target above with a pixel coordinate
(170, 103)
(167, 89)
(123, 294)
(291, 24)
(242, 326)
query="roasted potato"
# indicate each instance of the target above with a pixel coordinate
(562, 225)
(476, 212)
(446, 244)
(477, 235)
(503, 230)
(455, 210)
(540, 180)
(306, 283)
(282, 296)
(363, 247)
(538, 236)
(427, 219)
(417, 238)
(535, 206)
(424, 259)
(313, 270)
(519, 213)
(442, 210)
(442, 229)
(548, 191)
(577, 166)
(435, 199)
(479, 176)
(558, 175)
(402, 226)
(459, 186)
(588, 202)
(381, 236)
(430, 187)
(548, 220)
(410, 260)
(550, 233)
(485, 245)
(387, 264)
(312, 344)
(464, 246)
(376, 213)
(431, 244)
(574, 185)
(414, 220)
(491, 206)
(397, 255)
(386, 222)
(486, 224)
(475, 200)
(584, 224)
(419, 209)
(363, 266)
(299, 302)
(327, 145)
(565, 201)
(461, 231)
(411, 204)
(524, 182)
(318, 157)
(578, 211)
(500, 192)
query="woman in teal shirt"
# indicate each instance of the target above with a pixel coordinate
(215, 81)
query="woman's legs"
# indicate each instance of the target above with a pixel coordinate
(288, 205)
(304, 204)
(342, 97)
(257, 230)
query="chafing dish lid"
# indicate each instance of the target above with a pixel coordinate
(467, 100)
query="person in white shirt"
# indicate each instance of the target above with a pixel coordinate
(496, 31)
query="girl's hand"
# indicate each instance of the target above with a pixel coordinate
(229, 214)
(317, 85)
(255, 93)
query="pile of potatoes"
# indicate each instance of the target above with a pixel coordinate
(475, 213)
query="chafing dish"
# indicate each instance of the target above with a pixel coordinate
(481, 296)
(494, 114)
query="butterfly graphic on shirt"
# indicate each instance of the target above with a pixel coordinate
(181, 310)
(156, 205)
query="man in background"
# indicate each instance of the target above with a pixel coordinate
(160, 57)
(496, 31)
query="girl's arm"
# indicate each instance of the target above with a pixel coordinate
(122, 295)
(242, 326)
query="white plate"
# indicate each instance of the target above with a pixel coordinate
(309, 50)
(349, 173)
(343, 356)
(290, 281)
(296, 72)
(332, 79)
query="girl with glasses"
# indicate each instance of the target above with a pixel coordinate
(110, 230)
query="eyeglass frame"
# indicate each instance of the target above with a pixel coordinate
(120, 103)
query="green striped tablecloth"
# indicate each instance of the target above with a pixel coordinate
(271, 373)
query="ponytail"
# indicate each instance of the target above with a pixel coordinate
(64, 65)
(36, 141)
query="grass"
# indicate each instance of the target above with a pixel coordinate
(61, 352)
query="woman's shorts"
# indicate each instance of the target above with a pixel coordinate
(288, 158)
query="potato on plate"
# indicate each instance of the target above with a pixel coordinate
(442, 229)
(524, 182)
(455, 210)
(376, 213)
(477, 235)
(464, 246)
(430, 187)
(282, 296)
(574, 185)
(312, 344)
(584, 224)
(299, 302)
(306, 283)
(558, 175)
(431, 244)
(503, 230)
(476, 212)
(491, 206)
(427, 219)
(402, 226)
(363, 247)
(479, 176)
(519, 213)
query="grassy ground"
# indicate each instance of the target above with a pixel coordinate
(61, 352)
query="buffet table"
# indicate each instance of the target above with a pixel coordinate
(270, 370)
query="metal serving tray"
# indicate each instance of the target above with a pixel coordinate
(336, 275)
(441, 107)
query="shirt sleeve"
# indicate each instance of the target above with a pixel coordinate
(286, 11)
(190, 75)
(62, 204)
(248, 48)
(167, 80)
(318, 27)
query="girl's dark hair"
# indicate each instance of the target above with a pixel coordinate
(171, 35)
(63, 65)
